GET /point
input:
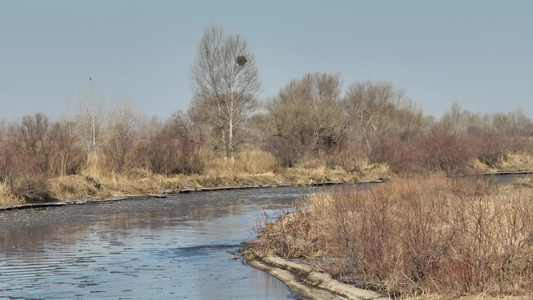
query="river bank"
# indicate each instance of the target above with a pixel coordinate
(417, 237)
(95, 181)
(166, 193)
(309, 282)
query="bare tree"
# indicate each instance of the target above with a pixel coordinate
(90, 119)
(408, 121)
(33, 132)
(225, 85)
(367, 102)
(3, 130)
(519, 122)
(456, 120)
(305, 114)
(67, 154)
(121, 133)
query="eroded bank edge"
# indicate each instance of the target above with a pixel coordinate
(307, 281)
(166, 193)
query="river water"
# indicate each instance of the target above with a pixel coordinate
(181, 247)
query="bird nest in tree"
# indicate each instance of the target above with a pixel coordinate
(241, 60)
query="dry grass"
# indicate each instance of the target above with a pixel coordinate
(248, 162)
(516, 162)
(255, 162)
(316, 163)
(250, 167)
(375, 171)
(255, 166)
(74, 187)
(7, 198)
(95, 168)
(477, 167)
(416, 236)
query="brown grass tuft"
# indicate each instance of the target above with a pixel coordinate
(6, 196)
(95, 168)
(522, 161)
(75, 187)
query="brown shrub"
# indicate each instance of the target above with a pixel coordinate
(191, 159)
(522, 144)
(166, 155)
(385, 149)
(35, 150)
(21, 173)
(287, 150)
(66, 156)
(53, 147)
(413, 236)
(115, 152)
(436, 152)
(491, 149)
(347, 157)
(157, 154)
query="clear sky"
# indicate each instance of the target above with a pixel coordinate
(479, 53)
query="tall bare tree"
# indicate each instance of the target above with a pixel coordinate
(225, 84)
(306, 115)
(121, 133)
(89, 120)
(366, 103)
(513, 123)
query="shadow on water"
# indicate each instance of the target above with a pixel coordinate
(182, 247)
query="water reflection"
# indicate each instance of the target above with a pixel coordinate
(139, 249)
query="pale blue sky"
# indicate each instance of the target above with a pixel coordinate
(479, 53)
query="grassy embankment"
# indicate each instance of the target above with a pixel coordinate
(415, 236)
(251, 167)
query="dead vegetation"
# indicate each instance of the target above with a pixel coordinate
(415, 236)
(249, 168)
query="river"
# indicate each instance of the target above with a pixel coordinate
(180, 247)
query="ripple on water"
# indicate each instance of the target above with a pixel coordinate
(182, 247)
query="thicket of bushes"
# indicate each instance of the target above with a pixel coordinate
(429, 235)
(309, 120)
(167, 155)
(35, 149)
